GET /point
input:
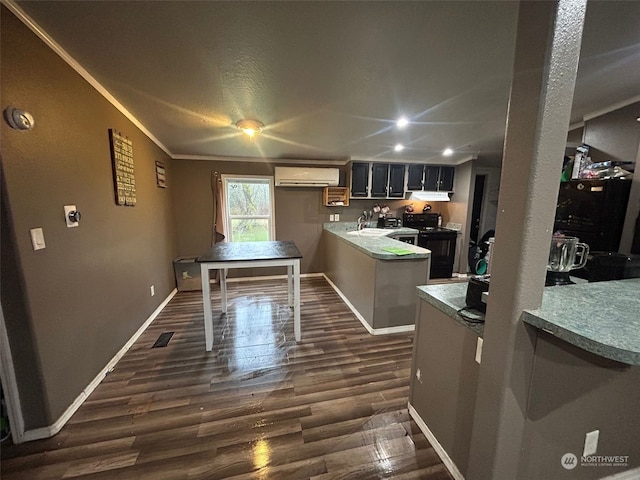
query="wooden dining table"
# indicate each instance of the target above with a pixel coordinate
(223, 256)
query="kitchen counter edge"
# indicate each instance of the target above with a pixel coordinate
(585, 315)
(373, 246)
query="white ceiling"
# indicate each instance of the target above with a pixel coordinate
(328, 79)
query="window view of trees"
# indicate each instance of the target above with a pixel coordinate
(249, 209)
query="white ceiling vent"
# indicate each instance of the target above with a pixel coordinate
(306, 177)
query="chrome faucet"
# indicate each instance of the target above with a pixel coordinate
(361, 222)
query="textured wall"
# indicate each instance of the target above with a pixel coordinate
(73, 305)
(614, 136)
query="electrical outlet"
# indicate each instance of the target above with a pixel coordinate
(479, 350)
(332, 218)
(591, 443)
(153, 290)
(337, 217)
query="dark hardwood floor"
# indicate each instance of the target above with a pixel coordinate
(259, 406)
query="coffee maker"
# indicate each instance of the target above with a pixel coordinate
(565, 254)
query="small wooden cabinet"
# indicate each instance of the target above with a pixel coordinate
(335, 196)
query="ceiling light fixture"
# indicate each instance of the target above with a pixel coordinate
(250, 128)
(402, 122)
(399, 147)
(447, 152)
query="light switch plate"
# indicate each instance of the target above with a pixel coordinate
(37, 238)
(337, 217)
(67, 209)
(479, 350)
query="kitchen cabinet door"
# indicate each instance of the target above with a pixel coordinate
(359, 179)
(438, 178)
(446, 179)
(414, 177)
(396, 181)
(379, 180)
(431, 177)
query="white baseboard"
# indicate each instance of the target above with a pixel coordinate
(444, 456)
(365, 324)
(51, 430)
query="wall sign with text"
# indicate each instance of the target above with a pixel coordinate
(122, 161)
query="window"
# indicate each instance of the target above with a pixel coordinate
(249, 208)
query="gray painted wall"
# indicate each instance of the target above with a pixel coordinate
(70, 307)
(614, 136)
(299, 213)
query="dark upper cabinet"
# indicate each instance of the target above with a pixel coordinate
(431, 177)
(446, 179)
(379, 179)
(438, 178)
(359, 179)
(415, 176)
(396, 181)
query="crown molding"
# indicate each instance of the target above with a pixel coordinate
(62, 53)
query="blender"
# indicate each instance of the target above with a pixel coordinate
(565, 254)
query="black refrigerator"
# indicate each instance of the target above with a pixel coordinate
(593, 211)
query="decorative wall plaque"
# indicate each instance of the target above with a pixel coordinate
(161, 178)
(122, 161)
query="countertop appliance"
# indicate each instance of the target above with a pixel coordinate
(441, 241)
(565, 254)
(604, 266)
(388, 222)
(476, 287)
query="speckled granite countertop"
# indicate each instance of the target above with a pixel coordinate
(601, 317)
(449, 298)
(373, 246)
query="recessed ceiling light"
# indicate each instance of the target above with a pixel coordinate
(447, 152)
(402, 122)
(250, 127)
(399, 147)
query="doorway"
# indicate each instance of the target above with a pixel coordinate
(476, 211)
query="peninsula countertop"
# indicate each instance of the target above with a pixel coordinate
(601, 317)
(374, 245)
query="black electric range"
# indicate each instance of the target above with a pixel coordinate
(441, 241)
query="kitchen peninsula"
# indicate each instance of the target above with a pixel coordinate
(583, 374)
(378, 284)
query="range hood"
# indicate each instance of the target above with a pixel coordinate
(430, 196)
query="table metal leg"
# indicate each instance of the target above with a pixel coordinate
(223, 288)
(206, 302)
(296, 300)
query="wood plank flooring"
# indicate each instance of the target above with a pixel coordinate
(259, 406)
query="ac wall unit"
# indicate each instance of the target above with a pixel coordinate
(306, 177)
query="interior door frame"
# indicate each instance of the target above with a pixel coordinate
(10, 385)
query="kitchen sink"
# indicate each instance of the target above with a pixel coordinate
(371, 232)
